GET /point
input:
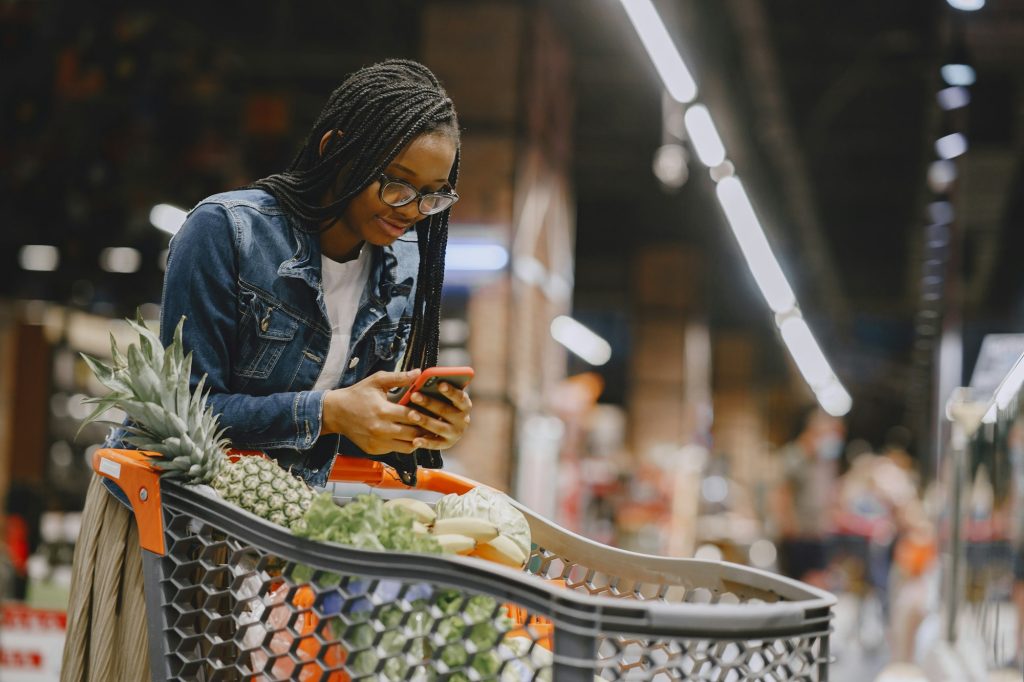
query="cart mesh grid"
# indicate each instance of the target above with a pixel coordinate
(236, 598)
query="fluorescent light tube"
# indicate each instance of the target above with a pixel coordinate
(662, 50)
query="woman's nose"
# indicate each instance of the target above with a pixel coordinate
(410, 212)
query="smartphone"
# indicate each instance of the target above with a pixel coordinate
(428, 383)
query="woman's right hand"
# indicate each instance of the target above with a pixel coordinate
(362, 413)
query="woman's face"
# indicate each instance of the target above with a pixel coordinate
(425, 164)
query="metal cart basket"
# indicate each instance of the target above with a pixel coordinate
(230, 596)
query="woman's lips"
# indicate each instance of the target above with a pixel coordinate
(390, 228)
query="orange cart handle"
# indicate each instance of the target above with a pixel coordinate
(378, 475)
(139, 480)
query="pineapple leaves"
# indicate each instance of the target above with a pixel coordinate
(151, 384)
(104, 373)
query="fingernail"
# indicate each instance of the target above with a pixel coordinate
(418, 443)
(417, 398)
(415, 416)
(445, 388)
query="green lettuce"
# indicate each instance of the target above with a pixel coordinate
(365, 523)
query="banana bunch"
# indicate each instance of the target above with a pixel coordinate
(465, 535)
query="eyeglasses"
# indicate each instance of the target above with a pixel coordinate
(394, 192)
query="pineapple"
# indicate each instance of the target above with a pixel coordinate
(151, 385)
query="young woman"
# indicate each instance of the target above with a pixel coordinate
(307, 296)
(303, 292)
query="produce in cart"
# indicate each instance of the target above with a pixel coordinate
(165, 418)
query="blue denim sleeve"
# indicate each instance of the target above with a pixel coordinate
(201, 284)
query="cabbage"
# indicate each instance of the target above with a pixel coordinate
(490, 505)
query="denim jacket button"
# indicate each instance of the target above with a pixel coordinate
(353, 362)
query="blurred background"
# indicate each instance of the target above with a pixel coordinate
(716, 317)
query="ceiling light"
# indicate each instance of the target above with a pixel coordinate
(167, 218)
(670, 165)
(941, 212)
(834, 399)
(805, 351)
(951, 146)
(662, 50)
(468, 256)
(966, 5)
(958, 74)
(39, 257)
(580, 340)
(704, 136)
(941, 174)
(121, 259)
(953, 97)
(754, 245)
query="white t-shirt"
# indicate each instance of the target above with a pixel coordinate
(343, 285)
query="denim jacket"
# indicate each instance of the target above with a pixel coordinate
(249, 285)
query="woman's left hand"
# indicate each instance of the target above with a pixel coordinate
(447, 422)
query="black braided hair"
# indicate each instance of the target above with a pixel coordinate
(379, 109)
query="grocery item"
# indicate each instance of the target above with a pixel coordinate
(151, 385)
(419, 509)
(502, 550)
(478, 529)
(487, 507)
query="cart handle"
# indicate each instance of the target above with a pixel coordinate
(378, 475)
(139, 479)
(135, 474)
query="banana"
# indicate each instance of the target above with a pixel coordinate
(502, 550)
(478, 529)
(421, 511)
(453, 543)
(420, 528)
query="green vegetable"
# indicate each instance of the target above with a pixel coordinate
(365, 523)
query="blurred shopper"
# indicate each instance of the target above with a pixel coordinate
(872, 496)
(803, 498)
(302, 293)
(877, 504)
(913, 581)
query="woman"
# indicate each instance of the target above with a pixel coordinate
(302, 293)
(312, 280)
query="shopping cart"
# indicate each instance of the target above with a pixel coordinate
(230, 596)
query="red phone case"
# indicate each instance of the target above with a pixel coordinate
(457, 376)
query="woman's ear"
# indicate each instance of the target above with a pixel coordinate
(326, 138)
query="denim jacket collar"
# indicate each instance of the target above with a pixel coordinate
(305, 264)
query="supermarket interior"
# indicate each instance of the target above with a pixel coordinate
(738, 279)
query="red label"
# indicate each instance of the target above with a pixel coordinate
(16, 658)
(16, 616)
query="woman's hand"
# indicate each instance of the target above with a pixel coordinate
(447, 421)
(362, 413)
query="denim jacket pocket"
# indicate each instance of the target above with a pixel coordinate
(389, 344)
(263, 335)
